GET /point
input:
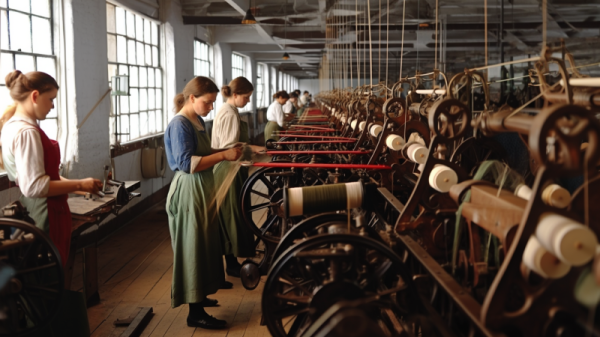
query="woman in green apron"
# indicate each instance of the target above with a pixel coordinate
(276, 116)
(228, 130)
(193, 220)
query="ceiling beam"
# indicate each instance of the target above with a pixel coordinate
(241, 6)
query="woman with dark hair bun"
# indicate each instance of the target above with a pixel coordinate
(228, 130)
(276, 116)
(193, 220)
(290, 106)
(32, 160)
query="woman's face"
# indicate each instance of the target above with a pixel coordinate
(281, 100)
(293, 99)
(241, 100)
(43, 103)
(204, 104)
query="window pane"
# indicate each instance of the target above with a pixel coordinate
(131, 51)
(121, 49)
(151, 99)
(52, 113)
(5, 99)
(50, 127)
(133, 100)
(130, 24)
(134, 125)
(158, 96)
(143, 77)
(124, 104)
(111, 44)
(143, 99)
(148, 54)
(154, 57)
(3, 3)
(20, 5)
(133, 77)
(41, 8)
(120, 20)
(139, 28)
(4, 30)
(159, 121)
(20, 28)
(154, 33)
(123, 70)
(124, 127)
(112, 71)
(150, 77)
(47, 65)
(147, 32)
(140, 53)
(143, 123)
(6, 66)
(158, 78)
(24, 63)
(151, 122)
(110, 19)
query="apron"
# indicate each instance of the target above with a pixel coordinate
(269, 129)
(52, 214)
(238, 239)
(194, 228)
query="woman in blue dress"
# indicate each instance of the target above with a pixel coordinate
(193, 220)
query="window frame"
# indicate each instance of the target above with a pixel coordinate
(124, 67)
(54, 115)
(209, 60)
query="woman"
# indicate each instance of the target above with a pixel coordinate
(275, 116)
(193, 220)
(32, 160)
(290, 106)
(228, 130)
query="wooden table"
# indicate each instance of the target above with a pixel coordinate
(82, 223)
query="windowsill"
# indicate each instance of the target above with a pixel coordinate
(130, 146)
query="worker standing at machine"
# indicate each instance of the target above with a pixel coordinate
(290, 106)
(228, 130)
(276, 116)
(32, 160)
(193, 221)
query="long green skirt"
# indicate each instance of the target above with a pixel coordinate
(195, 237)
(238, 239)
(270, 129)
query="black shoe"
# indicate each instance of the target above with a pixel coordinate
(209, 302)
(226, 285)
(206, 322)
(234, 272)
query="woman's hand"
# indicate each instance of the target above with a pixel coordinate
(91, 185)
(232, 154)
(258, 149)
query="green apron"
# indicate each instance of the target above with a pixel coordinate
(238, 239)
(300, 111)
(195, 237)
(270, 128)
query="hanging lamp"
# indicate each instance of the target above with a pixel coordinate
(286, 56)
(249, 17)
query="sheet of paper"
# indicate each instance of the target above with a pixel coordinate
(80, 205)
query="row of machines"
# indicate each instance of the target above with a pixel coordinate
(436, 214)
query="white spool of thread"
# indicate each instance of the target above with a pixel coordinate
(541, 261)
(375, 130)
(394, 142)
(442, 178)
(554, 195)
(587, 291)
(353, 124)
(350, 121)
(583, 82)
(343, 119)
(296, 201)
(361, 125)
(431, 91)
(571, 242)
(417, 153)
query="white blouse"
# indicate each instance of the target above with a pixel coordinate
(23, 156)
(288, 107)
(275, 113)
(226, 127)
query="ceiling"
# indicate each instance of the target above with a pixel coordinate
(306, 28)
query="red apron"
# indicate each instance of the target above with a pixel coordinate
(59, 215)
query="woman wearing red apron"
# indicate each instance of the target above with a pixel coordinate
(32, 160)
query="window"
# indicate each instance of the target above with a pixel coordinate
(27, 44)
(273, 84)
(238, 66)
(260, 85)
(203, 59)
(133, 50)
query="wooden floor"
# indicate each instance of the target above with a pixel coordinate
(135, 270)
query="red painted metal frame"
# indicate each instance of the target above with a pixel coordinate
(305, 131)
(317, 152)
(319, 141)
(317, 165)
(319, 137)
(308, 127)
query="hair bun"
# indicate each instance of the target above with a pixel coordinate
(12, 77)
(226, 90)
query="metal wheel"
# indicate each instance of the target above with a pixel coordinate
(31, 293)
(316, 274)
